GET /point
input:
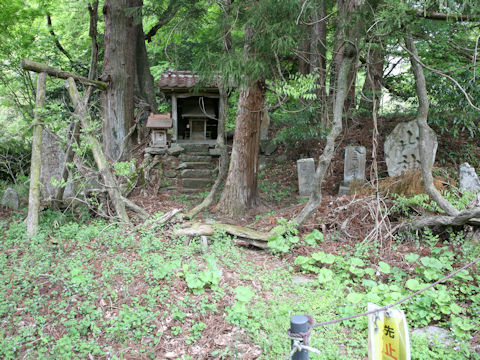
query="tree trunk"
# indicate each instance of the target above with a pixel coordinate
(102, 164)
(324, 161)
(145, 87)
(372, 87)
(422, 115)
(318, 56)
(119, 73)
(36, 163)
(240, 193)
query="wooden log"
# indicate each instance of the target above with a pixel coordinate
(256, 238)
(36, 163)
(98, 155)
(58, 73)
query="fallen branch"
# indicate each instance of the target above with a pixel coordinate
(253, 237)
(462, 218)
(135, 208)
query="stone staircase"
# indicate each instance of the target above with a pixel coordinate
(196, 168)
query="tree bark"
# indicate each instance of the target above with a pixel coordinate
(372, 87)
(145, 86)
(119, 73)
(36, 163)
(315, 199)
(422, 115)
(240, 193)
(318, 55)
(102, 164)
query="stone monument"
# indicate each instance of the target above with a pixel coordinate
(10, 199)
(53, 158)
(353, 168)
(306, 174)
(468, 179)
(402, 148)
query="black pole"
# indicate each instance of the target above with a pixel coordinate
(299, 324)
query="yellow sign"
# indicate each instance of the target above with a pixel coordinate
(387, 335)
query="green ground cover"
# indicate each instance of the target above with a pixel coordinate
(94, 289)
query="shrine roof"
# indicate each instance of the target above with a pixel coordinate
(159, 121)
(177, 80)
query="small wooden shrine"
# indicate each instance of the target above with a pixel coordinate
(159, 123)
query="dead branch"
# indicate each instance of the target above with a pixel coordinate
(135, 208)
(51, 71)
(256, 238)
(462, 218)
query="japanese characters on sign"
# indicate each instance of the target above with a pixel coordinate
(387, 335)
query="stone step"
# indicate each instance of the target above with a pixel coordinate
(190, 191)
(196, 148)
(195, 165)
(198, 183)
(195, 173)
(194, 158)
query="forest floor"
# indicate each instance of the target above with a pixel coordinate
(88, 288)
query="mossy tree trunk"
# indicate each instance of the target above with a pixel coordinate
(36, 162)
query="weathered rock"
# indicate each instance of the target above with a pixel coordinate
(344, 189)
(194, 158)
(354, 165)
(170, 173)
(10, 199)
(306, 173)
(214, 152)
(401, 148)
(196, 183)
(267, 147)
(196, 173)
(175, 150)
(262, 162)
(468, 179)
(264, 126)
(195, 165)
(197, 148)
(436, 333)
(53, 159)
(155, 150)
(166, 182)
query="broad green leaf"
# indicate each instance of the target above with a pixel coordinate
(384, 267)
(244, 293)
(411, 257)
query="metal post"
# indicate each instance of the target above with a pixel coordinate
(299, 324)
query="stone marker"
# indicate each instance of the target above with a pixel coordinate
(264, 126)
(306, 173)
(10, 199)
(402, 150)
(468, 179)
(267, 147)
(353, 168)
(53, 159)
(354, 165)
